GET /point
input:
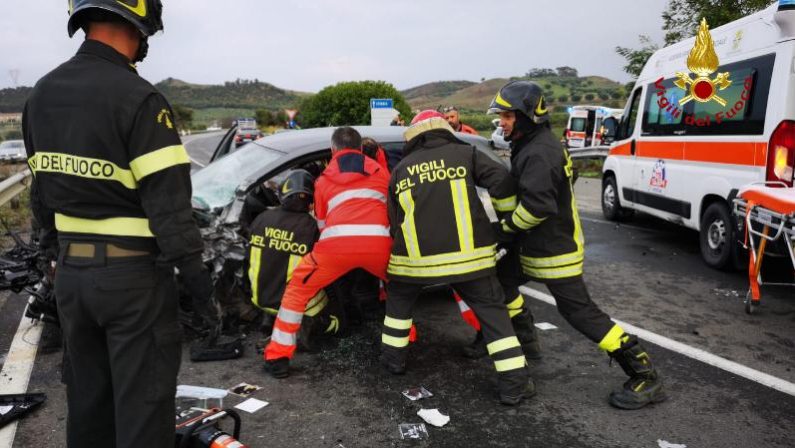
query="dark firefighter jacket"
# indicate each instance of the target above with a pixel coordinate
(279, 238)
(108, 163)
(550, 235)
(441, 231)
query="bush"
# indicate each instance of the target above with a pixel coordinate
(348, 104)
(589, 96)
(576, 97)
(14, 135)
(563, 98)
(617, 95)
(604, 96)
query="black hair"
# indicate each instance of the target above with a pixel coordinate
(346, 137)
(96, 15)
(370, 147)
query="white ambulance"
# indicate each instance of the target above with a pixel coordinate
(707, 116)
(585, 126)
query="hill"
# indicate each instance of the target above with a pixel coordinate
(13, 100)
(236, 94)
(559, 90)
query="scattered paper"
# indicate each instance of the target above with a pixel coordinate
(252, 405)
(413, 431)
(546, 326)
(434, 417)
(664, 444)
(244, 389)
(5, 409)
(417, 393)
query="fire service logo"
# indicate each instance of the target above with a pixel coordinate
(703, 63)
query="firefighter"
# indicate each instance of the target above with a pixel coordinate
(550, 241)
(452, 117)
(113, 183)
(350, 205)
(442, 235)
(279, 237)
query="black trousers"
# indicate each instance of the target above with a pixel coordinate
(572, 297)
(483, 295)
(122, 350)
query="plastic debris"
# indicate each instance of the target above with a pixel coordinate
(546, 326)
(417, 393)
(200, 397)
(16, 406)
(664, 444)
(252, 405)
(434, 417)
(244, 389)
(413, 431)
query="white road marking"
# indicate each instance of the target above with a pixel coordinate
(686, 350)
(17, 369)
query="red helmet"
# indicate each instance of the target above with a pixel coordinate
(426, 114)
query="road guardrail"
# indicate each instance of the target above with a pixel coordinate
(12, 186)
(590, 152)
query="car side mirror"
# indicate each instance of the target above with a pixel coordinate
(612, 129)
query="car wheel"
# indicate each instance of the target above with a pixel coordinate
(611, 203)
(717, 236)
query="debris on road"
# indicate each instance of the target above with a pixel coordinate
(728, 292)
(434, 417)
(244, 389)
(252, 405)
(417, 393)
(219, 348)
(15, 406)
(200, 397)
(546, 326)
(664, 444)
(413, 431)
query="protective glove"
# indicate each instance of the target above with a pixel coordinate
(200, 286)
(503, 232)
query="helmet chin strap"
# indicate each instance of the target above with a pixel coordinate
(143, 50)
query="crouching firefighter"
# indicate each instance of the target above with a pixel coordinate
(280, 237)
(550, 241)
(350, 205)
(442, 235)
(113, 182)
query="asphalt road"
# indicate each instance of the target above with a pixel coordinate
(646, 273)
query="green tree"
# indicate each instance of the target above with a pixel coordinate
(681, 18)
(604, 96)
(348, 103)
(183, 116)
(567, 72)
(563, 98)
(576, 97)
(616, 94)
(589, 97)
(636, 58)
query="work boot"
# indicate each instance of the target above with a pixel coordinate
(514, 386)
(527, 333)
(393, 360)
(644, 385)
(314, 329)
(278, 368)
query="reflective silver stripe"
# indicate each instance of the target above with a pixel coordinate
(282, 337)
(463, 306)
(362, 193)
(321, 223)
(289, 317)
(354, 230)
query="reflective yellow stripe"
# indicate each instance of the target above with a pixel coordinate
(504, 205)
(463, 217)
(447, 258)
(108, 226)
(397, 324)
(395, 342)
(316, 304)
(612, 340)
(85, 167)
(515, 307)
(159, 160)
(253, 273)
(558, 260)
(271, 311)
(554, 273)
(292, 263)
(441, 271)
(505, 365)
(408, 227)
(333, 326)
(525, 220)
(503, 344)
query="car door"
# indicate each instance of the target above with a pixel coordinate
(624, 149)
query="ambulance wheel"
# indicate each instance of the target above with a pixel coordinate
(717, 236)
(611, 203)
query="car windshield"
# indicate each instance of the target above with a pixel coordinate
(15, 144)
(214, 186)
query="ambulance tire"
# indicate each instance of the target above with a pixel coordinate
(611, 203)
(717, 237)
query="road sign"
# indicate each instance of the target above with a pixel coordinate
(381, 103)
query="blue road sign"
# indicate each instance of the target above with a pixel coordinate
(381, 103)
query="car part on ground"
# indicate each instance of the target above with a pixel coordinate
(18, 405)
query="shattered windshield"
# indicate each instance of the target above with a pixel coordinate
(214, 186)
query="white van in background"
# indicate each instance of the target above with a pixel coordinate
(697, 128)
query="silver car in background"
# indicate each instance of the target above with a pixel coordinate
(13, 151)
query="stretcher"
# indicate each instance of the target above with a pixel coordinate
(768, 210)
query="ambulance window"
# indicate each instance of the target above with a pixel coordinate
(577, 124)
(664, 120)
(628, 125)
(745, 101)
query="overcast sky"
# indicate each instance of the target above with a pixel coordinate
(308, 44)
